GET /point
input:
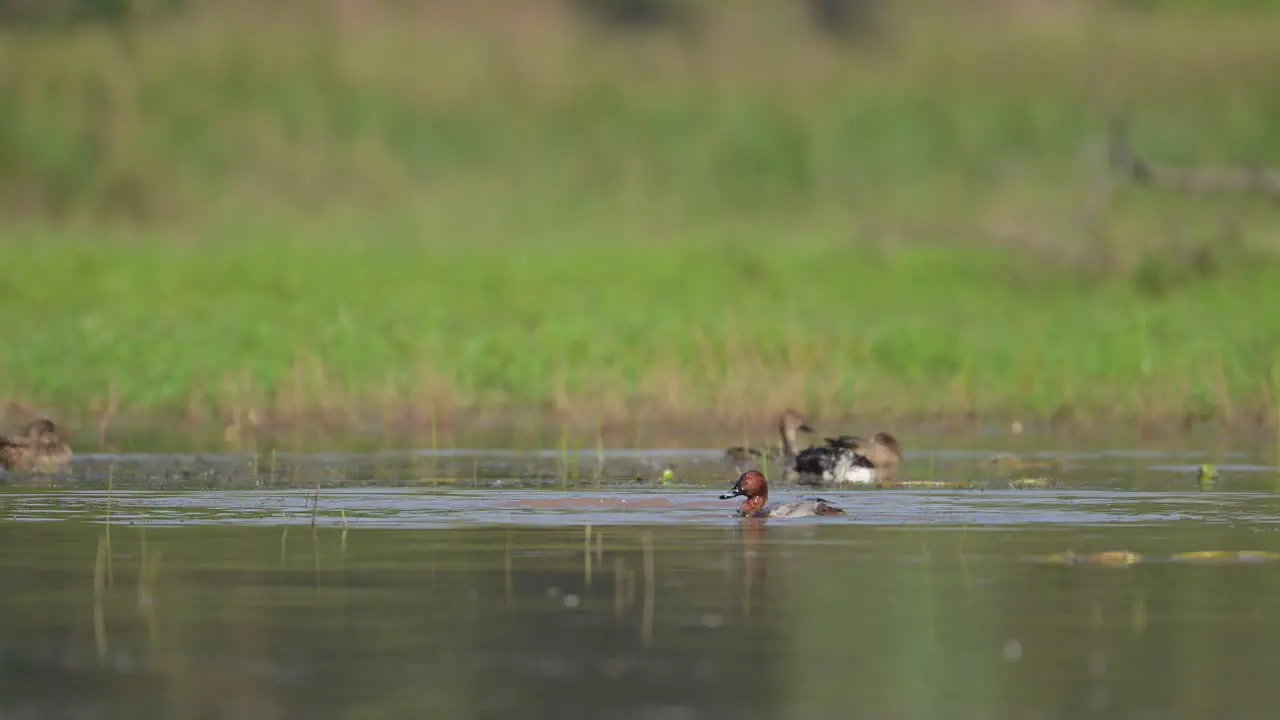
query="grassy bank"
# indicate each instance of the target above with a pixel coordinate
(723, 325)
(233, 215)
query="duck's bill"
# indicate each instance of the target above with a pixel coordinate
(730, 495)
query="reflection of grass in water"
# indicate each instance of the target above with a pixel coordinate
(508, 584)
(931, 615)
(586, 555)
(315, 558)
(315, 509)
(342, 545)
(740, 165)
(650, 589)
(99, 599)
(284, 537)
(1138, 616)
(618, 587)
(148, 571)
(965, 576)
(111, 474)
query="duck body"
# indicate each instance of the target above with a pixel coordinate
(835, 464)
(38, 449)
(753, 486)
(851, 459)
(807, 507)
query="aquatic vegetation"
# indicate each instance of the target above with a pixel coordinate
(1207, 475)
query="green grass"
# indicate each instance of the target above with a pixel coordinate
(231, 213)
(722, 324)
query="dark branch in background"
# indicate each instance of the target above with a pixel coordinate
(852, 20)
(56, 13)
(1196, 181)
(855, 19)
(635, 14)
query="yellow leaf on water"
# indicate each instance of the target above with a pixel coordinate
(1226, 557)
(934, 484)
(1112, 558)
(1060, 559)
(1115, 558)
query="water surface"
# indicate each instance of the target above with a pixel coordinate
(518, 585)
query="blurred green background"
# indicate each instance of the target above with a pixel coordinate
(627, 211)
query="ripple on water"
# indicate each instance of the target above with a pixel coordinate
(410, 508)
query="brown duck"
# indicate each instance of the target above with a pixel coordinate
(37, 449)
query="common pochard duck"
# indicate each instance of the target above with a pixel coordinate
(753, 486)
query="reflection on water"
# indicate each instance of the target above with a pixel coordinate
(502, 603)
(1095, 469)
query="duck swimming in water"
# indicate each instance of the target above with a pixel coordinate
(790, 424)
(851, 459)
(753, 486)
(37, 449)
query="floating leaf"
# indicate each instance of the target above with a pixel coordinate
(933, 484)
(1115, 557)
(1060, 559)
(1226, 557)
